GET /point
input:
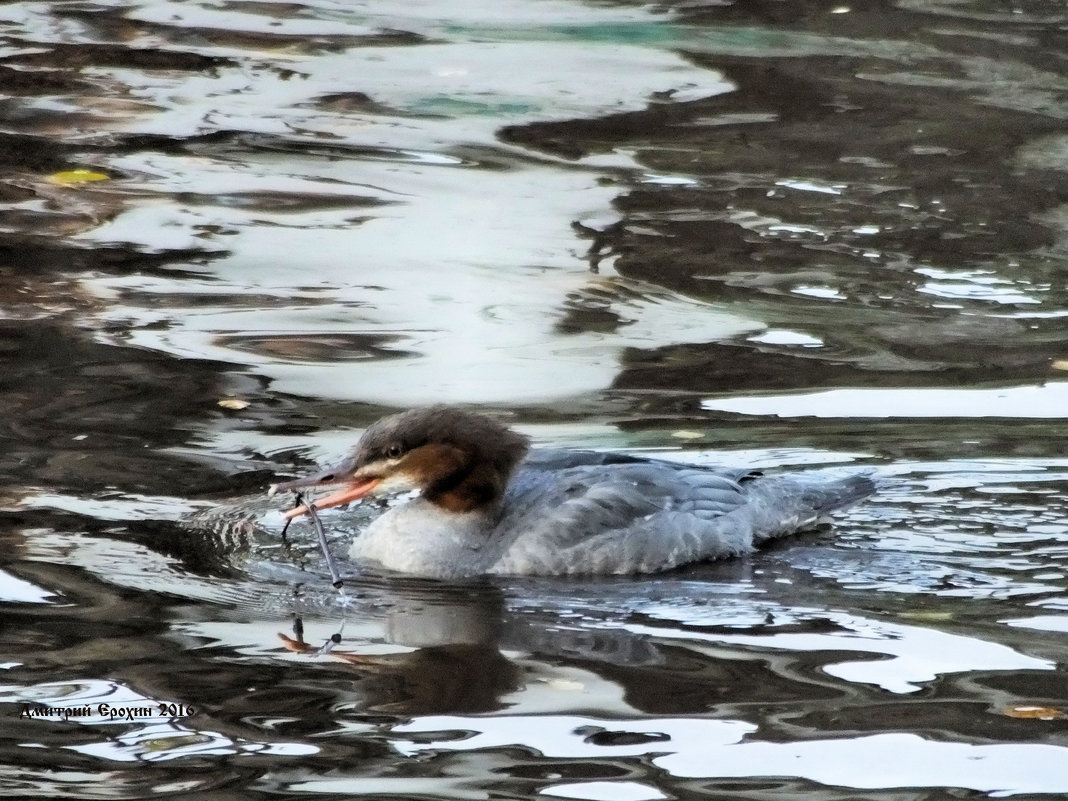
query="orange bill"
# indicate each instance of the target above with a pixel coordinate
(351, 493)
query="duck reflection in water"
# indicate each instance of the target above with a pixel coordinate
(456, 665)
(451, 642)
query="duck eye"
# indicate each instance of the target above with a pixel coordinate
(394, 451)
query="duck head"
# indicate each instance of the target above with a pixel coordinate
(457, 459)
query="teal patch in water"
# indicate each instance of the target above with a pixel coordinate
(647, 33)
(650, 33)
(448, 106)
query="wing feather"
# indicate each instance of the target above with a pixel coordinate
(597, 513)
(623, 518)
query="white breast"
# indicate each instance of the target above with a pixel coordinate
(420, 539)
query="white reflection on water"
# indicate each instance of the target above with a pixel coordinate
(113, 506)
(149, 733)
(605, 791)
(16, 590)
(886, 761)
(565, 735)
(976, 285)
(1043, 623)
(918, 654)
(1046, 401)
(461, 266)
(702, 748)
(163, 742)
(785, 337)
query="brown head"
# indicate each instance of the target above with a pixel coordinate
(457, 459)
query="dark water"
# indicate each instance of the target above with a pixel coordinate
(777, 233)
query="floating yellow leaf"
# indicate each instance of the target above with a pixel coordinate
(1034, 712)
(68, 177)
(687, 435)
(234, 403)
(1060, 364)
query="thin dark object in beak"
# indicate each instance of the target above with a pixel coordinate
(335, 577)
(347, 495)
(298, 501)
(354, 489)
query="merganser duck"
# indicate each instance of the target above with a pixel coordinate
(486, 504)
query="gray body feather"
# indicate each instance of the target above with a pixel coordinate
(582, 512)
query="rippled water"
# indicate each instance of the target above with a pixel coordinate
(804, 234)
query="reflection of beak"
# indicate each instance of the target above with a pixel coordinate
(356, 488)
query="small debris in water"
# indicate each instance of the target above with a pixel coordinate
(71, 177)
(1034, 712)
(687, 434)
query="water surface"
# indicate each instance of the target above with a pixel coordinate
(806, 234)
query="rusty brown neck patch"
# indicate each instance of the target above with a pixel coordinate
(478, 488)
(455, 479)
